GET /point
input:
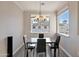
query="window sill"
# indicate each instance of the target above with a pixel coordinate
(40, 32)
(63, 34)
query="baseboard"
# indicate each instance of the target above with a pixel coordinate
(17, 49)
(65, 51)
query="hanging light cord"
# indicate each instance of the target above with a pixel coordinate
(40, 9)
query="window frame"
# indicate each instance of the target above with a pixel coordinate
(40, 32)
(57, 14)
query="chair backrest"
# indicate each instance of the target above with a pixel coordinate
(41, 45)
(41, 35)
(57, 41)
(24, 41)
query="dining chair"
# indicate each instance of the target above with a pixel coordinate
(41, 47)
(28, 47)
(55, 45)
(41, 35)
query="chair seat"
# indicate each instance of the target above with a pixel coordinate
(30, 47)
(53, 47)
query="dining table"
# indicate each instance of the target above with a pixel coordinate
(33, 42)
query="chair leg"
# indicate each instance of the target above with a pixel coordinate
(45, 54)
(54, 52)
(33, 51)
(24, 53)
(51, 52)
(58, 52)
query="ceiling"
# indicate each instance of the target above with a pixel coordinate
(48, 6)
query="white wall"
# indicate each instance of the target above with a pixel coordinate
(27, 24)
(71, 43)
(11, 24)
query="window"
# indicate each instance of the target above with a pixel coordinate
(40, 24)
(63, 22)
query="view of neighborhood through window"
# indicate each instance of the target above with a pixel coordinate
(40, 24)
(63, 22)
